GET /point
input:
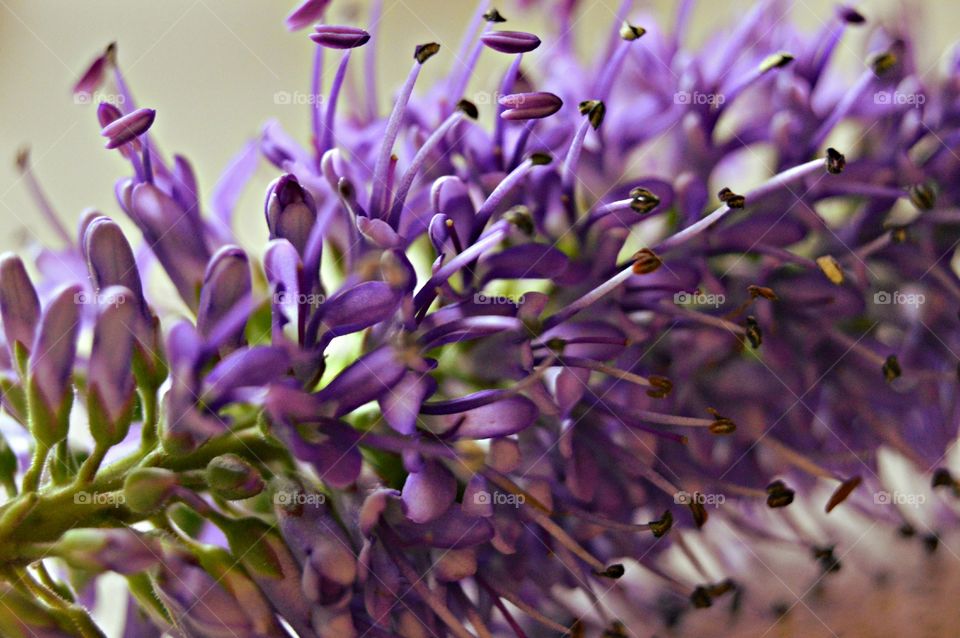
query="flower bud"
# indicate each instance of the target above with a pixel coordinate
(225, 284)
(339, 37)
(291, 212)
(51, 366)
(233, 478)
(19, 307)
(111, 389)
(128, 128)
(529, 106)
(146, 489)
(510, 41)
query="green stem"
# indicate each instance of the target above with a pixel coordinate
(31, 478)
(148, 435)
(89, 468)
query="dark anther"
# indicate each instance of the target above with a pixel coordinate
(775, 61)
(661, 526)
(762, 291)
(645, 261)
(541, 159)
(701, 598)
(891, 368)
(631, 32)
(721, 424)
(731, 199)
(923, 196)
(661, 386)
(616, 630)
(595, 110)
(469, 108)
(898, 234)
(719, 589)
(882, 62)
(836, 161)
(493, 16)
(943, 478)
(828, 562)
(23, 157)
(613, 571)
(779, 495)
(424, 52)
(699, 512)
(930, 543)
(907, 530)
(644, 200)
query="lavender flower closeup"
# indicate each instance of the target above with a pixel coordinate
(559, 362)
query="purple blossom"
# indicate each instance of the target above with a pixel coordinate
(497, 361)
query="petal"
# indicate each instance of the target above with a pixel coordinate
(427, 494)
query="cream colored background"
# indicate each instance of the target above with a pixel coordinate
(212, 69)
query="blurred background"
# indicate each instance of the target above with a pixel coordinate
(214, 69)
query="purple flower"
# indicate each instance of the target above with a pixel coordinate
(480, 370)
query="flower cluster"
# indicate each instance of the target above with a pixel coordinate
(500, 368)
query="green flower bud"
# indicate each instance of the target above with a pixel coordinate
(233, 478)
(148, 488)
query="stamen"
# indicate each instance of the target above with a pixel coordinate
(326, 137)
(428, 292)
(464, 108)
(628, 33)
(774, 61)
(485, 212)
(754, 335)
(779, 181)
(377, 203)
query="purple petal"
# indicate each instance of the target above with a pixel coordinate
(306, 14)
(291, 212)
(368, 379)
(252, 367)
(174, 238)
(110, 259)
(110, 374)
(429, 493)
(19, 304)
(509, 416)
(226, 283)
(358, 307)
(55, 346)
(401, 406)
